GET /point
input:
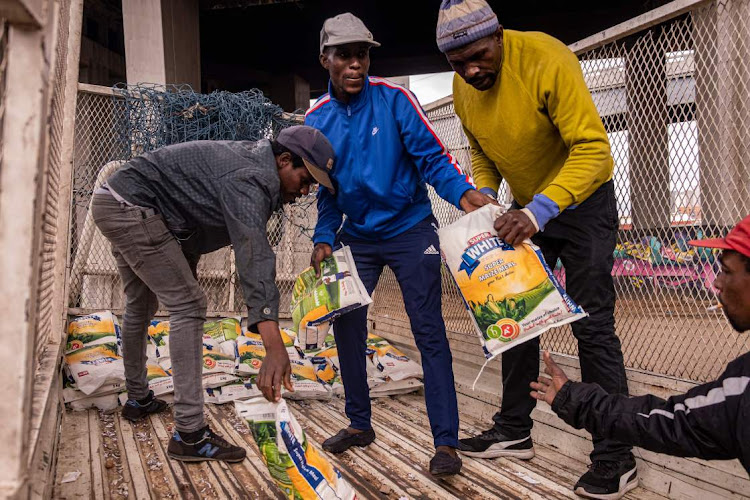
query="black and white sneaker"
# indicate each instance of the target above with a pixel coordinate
(607, 480)
(136, 409)
(492, 444)
(202, 445)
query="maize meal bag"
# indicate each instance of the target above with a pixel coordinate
(305, 380)
(313, 336)
(338, 290)
(241, 389)
(393, 363)
(158, 332)
(326, 368)
(223, 329)
(214, 360)
(251, 352)
(214, 380)
(95, 366)
(299, 470)
(159, 380)
(93, 329)
(510, 292)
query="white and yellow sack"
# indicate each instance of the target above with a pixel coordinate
(305, 380)
(251, 352)
(95, 366)
(394, 364)
(511, 294)
(336, 291)
(93, 329)
(298, 469)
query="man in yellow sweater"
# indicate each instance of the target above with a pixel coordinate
(530, 120)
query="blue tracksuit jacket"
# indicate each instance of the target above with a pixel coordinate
(386, 152)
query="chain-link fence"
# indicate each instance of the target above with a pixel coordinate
(673, 98)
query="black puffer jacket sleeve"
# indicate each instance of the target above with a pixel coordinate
(710, 421)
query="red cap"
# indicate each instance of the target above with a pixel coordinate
(738, 239)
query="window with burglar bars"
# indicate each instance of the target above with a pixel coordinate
(673, 98)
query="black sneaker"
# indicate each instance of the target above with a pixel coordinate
(136, 409)
(444, 464)
(345, 440)
(203, 445)
(608, 480)
(492, 444)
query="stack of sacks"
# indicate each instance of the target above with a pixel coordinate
(219, 359)
(389, 371)
(93, 372)
(326, 362)
(307, 385)
(158, 365)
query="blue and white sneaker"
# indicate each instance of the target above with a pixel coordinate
(202, 445)
(136, 409)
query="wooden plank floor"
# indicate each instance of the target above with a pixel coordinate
(114, 459)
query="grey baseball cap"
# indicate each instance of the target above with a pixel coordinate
(314, 149)
(344, 28)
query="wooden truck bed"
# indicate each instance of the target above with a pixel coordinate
(112, 458)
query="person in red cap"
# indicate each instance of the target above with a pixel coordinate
(709, 421)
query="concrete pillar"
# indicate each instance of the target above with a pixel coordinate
(648, 140)
(162, 41)
(721, 34)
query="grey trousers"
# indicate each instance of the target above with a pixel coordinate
(153, 268)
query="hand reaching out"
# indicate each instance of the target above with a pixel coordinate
(545, 389)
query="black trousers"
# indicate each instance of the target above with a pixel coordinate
(584, 240)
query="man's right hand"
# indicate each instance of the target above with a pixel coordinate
(545, 389)
(276, 367)
(320, 252)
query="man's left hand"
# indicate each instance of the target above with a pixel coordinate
(545, 389)
(473, 199)
(514, 227)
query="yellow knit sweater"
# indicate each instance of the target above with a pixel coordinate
(537, 127)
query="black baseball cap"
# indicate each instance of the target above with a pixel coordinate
(314, 149)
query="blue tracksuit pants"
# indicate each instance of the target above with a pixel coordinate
(414, 257)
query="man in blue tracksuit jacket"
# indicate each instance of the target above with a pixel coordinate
(386, 152)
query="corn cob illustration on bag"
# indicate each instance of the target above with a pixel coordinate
(338, 290)
(510, 292)
(299, 470)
